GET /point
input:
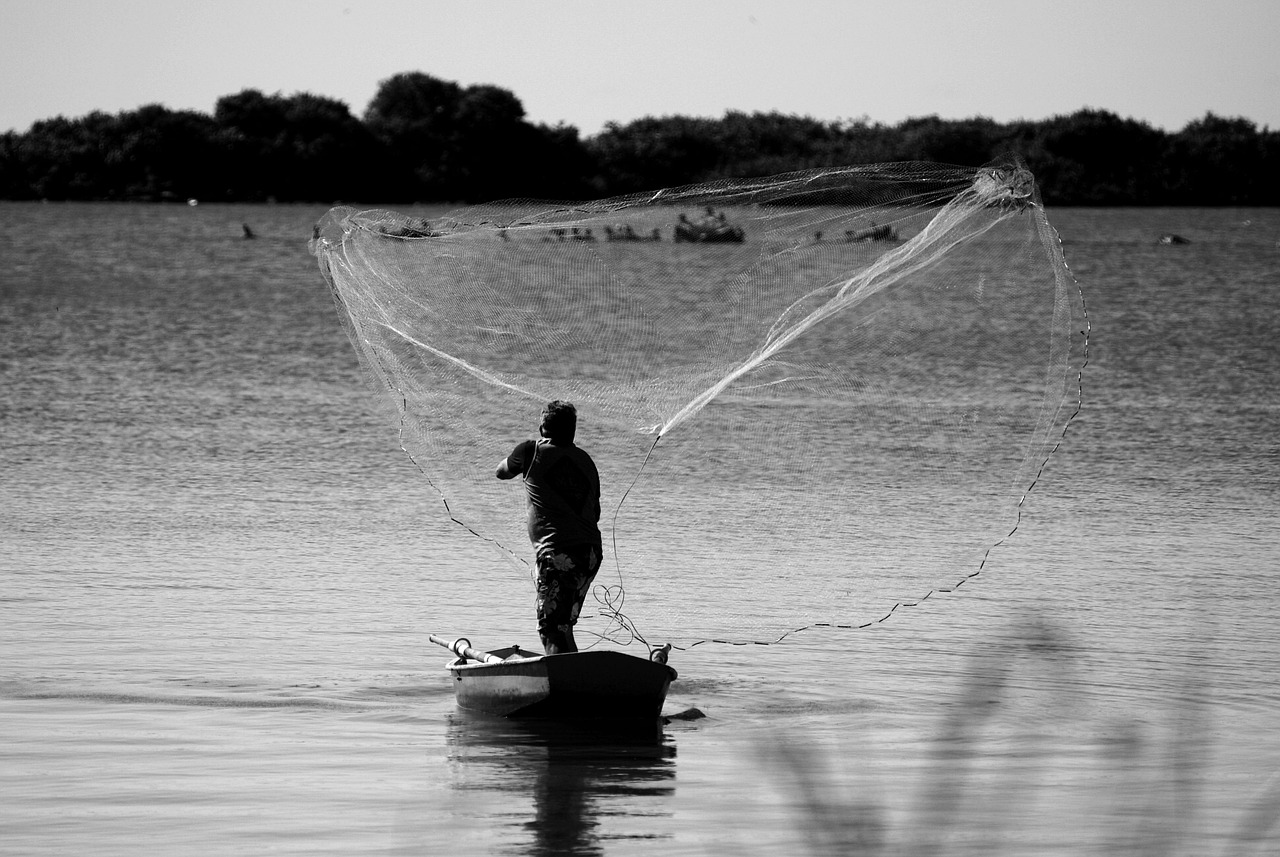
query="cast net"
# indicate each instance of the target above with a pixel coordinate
(812, 398)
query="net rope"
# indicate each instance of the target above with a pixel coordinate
(813, 398)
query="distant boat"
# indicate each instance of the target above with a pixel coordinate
(587, 685)
(711, 229)
(873, 233)
(1171, 238)
(571, 234)
(625, 232)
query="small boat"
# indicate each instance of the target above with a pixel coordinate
(626, 232)
(711, 229)
(590, 685)
(875, 233)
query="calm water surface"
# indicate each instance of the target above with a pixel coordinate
(219, 572)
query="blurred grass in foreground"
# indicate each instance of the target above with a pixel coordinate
(1022, 763)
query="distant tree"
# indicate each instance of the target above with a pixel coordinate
(448, 142)
(1091, 157)
(166, 154)
(15, 176)
(859, 142)
(413, 116)
(151, 153)
(657, 152)
(1269, 172)
(551, 162)
(489, 145)
(68, 158)
(299, 147)
(423, 138)
(966, 142)
(759, 144)
(1223, 161)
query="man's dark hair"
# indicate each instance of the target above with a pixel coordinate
(560, 421)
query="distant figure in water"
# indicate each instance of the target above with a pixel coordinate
(563, 490)
(248, 233)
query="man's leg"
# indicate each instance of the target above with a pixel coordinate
(578, 582)
(553, 603)
(564, 578)
(556, 642)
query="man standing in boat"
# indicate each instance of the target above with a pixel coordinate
(563, 488)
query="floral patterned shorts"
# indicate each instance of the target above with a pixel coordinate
(564, 577)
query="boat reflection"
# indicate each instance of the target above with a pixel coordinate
(580, 778)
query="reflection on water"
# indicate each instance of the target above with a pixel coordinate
(588, 782)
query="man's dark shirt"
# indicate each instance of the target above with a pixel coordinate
(563, 488)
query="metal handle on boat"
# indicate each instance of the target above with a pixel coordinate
(462, 648)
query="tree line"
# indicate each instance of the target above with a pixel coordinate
(431, 140)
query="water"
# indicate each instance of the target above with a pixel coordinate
(219, 573)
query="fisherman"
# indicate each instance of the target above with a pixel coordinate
(563, 489)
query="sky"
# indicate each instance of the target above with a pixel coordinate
(585, 64)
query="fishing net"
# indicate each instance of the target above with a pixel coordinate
(812, 398)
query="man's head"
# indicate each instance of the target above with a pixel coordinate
(559, 421)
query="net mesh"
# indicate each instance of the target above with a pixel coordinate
(811, 397)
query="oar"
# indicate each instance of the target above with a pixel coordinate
(462, 648)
